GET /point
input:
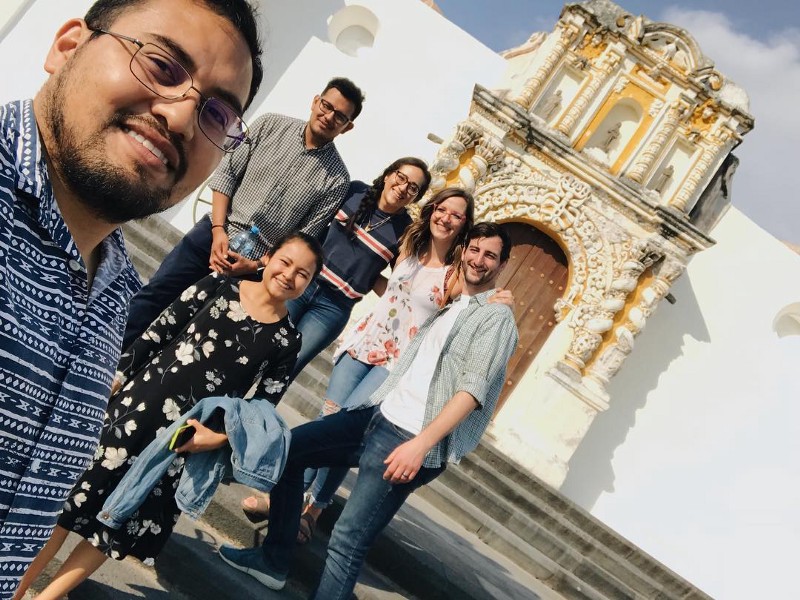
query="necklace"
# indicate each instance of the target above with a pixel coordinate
(370, 226)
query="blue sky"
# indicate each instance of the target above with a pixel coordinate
(756, 44)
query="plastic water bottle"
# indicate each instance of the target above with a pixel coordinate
(245, 242)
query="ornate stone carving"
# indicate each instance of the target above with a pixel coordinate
(610, 360)
(487, 153)
(600, 73)
(449, 155)
(689, 189)
(621, 84)
(655, 108)
(534, 84)
(646, 158)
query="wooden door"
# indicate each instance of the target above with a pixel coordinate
(536, 274)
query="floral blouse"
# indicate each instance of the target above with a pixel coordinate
(413, 293)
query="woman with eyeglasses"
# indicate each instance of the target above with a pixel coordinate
(362, 240)
(423, 281)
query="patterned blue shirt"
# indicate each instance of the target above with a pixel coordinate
(59, 346)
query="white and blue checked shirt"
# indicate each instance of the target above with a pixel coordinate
(277, 183)
(473, 360)
(59, 346)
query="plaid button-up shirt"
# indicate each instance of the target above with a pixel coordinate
(473, 360)
(277, 183)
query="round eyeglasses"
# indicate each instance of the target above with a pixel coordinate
(442, 212)
(161, 73)
(402, 179)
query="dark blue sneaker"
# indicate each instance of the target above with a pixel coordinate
(252, 562)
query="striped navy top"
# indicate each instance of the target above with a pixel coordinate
(353, 262)
(59, 346)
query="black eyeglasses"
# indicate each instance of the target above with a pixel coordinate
(402, 179)
(161, 73)
(339, 117)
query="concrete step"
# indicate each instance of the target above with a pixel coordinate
(550, 509)
(148, 241)
(422, 554)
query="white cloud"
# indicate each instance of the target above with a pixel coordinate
(769, 71)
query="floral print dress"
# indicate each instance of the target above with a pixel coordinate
(204, 344)
(412, 294)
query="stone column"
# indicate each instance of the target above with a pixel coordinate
(534, 84)
(648, 156)
(710, 155)
(612, 356)
(600, 74)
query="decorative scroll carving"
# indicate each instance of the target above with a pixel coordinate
(487, 153)
(610, 360)
(534, 84)
(655, 108)
(449, 155)
(646, 158)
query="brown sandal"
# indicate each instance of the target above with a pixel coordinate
(306, 530)
(258, 512)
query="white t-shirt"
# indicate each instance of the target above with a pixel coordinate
(405, 405)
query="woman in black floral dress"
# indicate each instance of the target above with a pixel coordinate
(219, 338)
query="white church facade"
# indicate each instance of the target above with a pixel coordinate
(655, 382)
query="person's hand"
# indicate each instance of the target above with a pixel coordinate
(239, 265)
(203, 440)
(502, 296)
(116, 385)
(404, 462)
(218, 261)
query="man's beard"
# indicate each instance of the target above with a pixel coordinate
(111, 193)
(479, 278)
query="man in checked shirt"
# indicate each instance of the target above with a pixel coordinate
(432, 409)
(289, 177)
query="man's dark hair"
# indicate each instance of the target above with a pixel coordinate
(350, 91)
(489, 230)
(240, 13)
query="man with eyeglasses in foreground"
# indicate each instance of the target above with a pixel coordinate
(143, 100)
(432, 409)
(290, 177)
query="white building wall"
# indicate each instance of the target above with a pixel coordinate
(697, 457)
(694, 460)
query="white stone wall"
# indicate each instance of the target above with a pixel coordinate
(697, 457)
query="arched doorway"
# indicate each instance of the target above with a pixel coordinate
(537, 275)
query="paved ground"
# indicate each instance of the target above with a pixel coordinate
(423, 554)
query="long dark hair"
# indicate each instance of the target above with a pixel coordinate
(369, 203)
(417, 237)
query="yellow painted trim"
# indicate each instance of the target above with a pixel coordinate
(631, 91)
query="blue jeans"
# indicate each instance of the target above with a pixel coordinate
(373, 503)
(360, 438)
(320, 315)
(351, 384)
(185, 265)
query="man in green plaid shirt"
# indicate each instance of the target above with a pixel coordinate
(432, 409)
